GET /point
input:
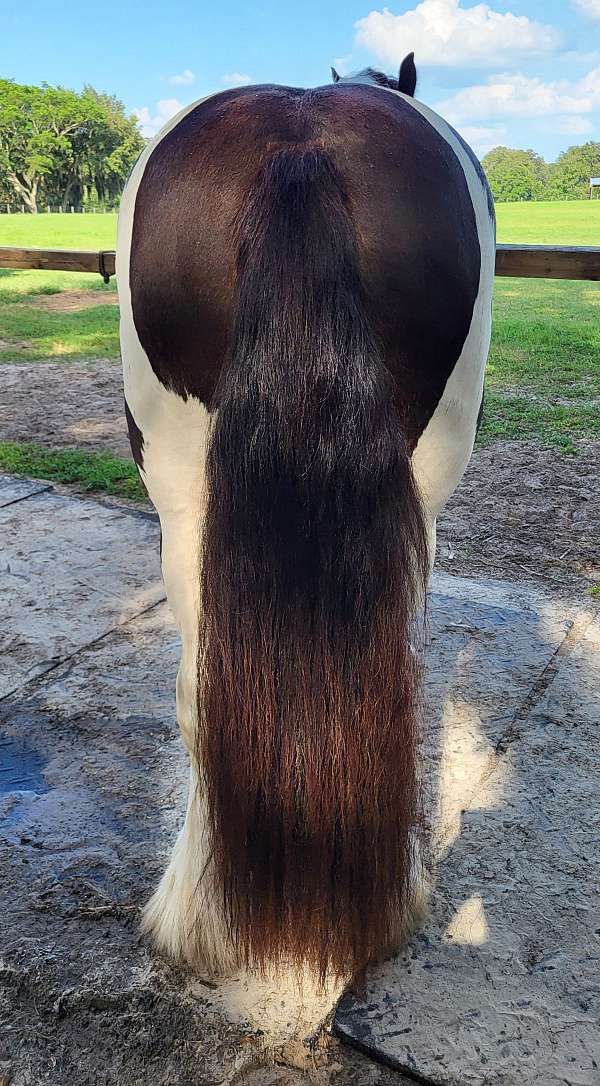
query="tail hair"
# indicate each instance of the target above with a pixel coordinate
(314, 566)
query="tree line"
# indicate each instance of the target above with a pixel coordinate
(524, 175)
(62, 149)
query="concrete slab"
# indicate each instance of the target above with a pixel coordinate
(14, 490)
(503, 984)
(93, 794)
(70, 570)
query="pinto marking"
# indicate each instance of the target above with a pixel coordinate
(136, 437)
(419, 208)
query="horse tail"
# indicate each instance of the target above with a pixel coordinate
(314, 566)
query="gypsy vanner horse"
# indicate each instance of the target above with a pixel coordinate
(305, 281)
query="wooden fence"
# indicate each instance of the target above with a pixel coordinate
(520, 261)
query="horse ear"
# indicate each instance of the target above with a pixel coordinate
(407, 80)
(335, 76)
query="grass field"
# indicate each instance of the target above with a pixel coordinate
(543, 376)
(90, 471)
(27, 331)
(60, 231)
(545, 222)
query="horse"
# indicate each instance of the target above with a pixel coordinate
(305, 282)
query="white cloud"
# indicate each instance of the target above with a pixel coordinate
(590, 85)
(442, 32)
(506, 96)
(236, 79)
(570, 126)
(342, 65)
(482, 138)
(184, 79)
(589, 7)
(151, 123)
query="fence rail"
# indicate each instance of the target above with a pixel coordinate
(548, 261)
(77, 260)
(520, 261)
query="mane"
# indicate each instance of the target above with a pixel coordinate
(382, 79)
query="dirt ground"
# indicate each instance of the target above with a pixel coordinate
(92, 789)
(64, 405)
(71, 301)
(523, 512)
(94, 778)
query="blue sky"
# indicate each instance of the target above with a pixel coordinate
(524, 73)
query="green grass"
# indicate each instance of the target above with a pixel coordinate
(89, 471)
(28, 334)
(24, 286)
(544, 371)
(518, 417)
(573, 222)
(55, 335)
(544, 222)
(59, 231)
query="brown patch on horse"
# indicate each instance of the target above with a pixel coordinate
(408, 198)
(136, 437)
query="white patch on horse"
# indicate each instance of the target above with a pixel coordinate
(175, 435)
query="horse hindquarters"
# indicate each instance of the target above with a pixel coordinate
(311, 507)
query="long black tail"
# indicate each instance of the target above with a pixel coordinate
(315, 558)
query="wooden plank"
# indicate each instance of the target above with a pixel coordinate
(77, 260)
(548, 261)
(521, 261)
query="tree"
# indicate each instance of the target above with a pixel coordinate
(515, 175)
(101, 155)
(36, 124)
(56, 142)
(570, 177)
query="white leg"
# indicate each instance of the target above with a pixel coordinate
(431, 542)
(184, 915)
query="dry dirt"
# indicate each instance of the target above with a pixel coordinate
(526, 512)
(523, 512)
(64, 405)
(71, 301)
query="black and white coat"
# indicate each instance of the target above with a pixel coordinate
(426, 228)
